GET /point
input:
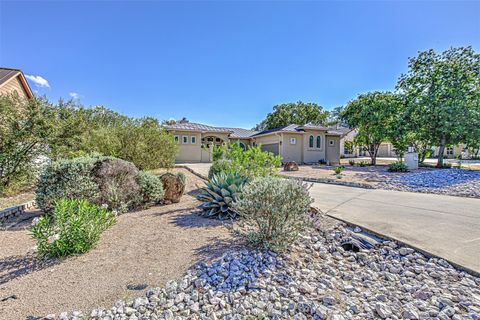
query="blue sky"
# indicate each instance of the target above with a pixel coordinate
(223, 63)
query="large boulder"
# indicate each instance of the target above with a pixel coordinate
(174, 187)
(291, 166)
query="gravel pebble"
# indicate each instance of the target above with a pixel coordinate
(315, 279)
(455, 182)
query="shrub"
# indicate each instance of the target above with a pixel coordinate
(219, 194)
(74, 227)
(117, 184)
(249, 163)
(218, 166)
(398, 166)
(362, 163)
(100, 180)
(351, 162)
(338, 170)
(273, 212)
(151, 188)
(173, 185)
(71, 179)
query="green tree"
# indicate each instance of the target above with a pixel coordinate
(294, 113)
(373, 115)
(442, 92)
(25, 129)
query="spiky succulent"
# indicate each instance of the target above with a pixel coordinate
(219, 194)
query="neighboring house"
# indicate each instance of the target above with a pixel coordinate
(303, 144)
(457, 151)
(13, 81)
(385, 149)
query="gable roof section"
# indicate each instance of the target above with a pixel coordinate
(7, 74)
(240, 133)
(295, 128)
(289, 128)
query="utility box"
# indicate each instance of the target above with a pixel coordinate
(411, 160)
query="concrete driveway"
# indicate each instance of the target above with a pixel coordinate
(445, 226)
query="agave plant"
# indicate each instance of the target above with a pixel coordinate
(219, 194)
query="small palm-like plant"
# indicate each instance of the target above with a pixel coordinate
(219, 194)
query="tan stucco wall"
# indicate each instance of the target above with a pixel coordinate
(11, 86)
(246, 142)
(188, 152)
(313, 155)
(292, 152)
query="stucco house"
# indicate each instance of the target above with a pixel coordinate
(300, 143)
(13, 81)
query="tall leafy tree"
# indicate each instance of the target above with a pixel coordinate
(25, 129)
(373, 115)
(442, 92)
(294, 113)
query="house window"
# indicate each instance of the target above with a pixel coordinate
(450, 151)
(193, 139)
(319, 142)
(293, 140)
(243, 146)
(177, 139)
(310, 142)
(184, 139)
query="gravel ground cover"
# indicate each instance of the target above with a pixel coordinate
(456, 182)
(316, 279)
(144, 249)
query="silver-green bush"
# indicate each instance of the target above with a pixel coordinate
(151, 187)
(70, 179)
(100, 180)
(273, 212)
(118, 186)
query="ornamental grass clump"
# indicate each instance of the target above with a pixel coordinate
(272, 211)
(219, 195)
(74, 227)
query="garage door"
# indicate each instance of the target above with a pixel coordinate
(383, 151)
(273, 148)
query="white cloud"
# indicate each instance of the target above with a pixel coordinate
(74, 95)
(38, 80)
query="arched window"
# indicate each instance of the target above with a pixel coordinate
(244, 147)
(310, 142)
(319, 142)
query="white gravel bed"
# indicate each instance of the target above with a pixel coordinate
(455, 182)
(316, 279)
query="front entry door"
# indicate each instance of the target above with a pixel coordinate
(206, 154)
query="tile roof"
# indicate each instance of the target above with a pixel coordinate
(241, 133)
(191, 126)
(238, 133)
(289, 128)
